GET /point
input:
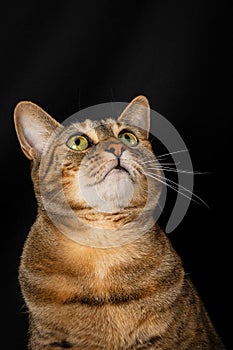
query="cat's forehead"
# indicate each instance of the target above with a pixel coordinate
(89, 124)
(93, 128)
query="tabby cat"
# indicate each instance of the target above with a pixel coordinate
(96, 271)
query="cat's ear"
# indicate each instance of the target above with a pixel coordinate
(137, 113)
(33, 127)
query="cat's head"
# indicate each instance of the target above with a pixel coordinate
(95, 170)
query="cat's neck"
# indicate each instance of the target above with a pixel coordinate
(102, 233)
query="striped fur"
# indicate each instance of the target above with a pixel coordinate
(130, 295)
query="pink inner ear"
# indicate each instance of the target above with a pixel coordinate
(34, 133)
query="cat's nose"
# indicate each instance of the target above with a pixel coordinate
(117, 148)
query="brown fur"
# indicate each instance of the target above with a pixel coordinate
(128, 296)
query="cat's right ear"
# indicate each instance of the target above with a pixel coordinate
(33, 127)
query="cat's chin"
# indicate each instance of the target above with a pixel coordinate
(112, 194)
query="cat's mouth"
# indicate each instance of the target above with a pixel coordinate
(116, 169)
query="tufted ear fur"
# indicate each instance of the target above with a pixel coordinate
(137, 113)
(33, 127)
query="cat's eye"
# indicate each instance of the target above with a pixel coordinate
(78, 143)
(128, 138)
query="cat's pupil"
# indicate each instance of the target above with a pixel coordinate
(77, 142)
(127, 137)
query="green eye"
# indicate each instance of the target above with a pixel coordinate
(78, 143)
(128, 138)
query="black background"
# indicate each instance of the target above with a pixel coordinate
(69, 55)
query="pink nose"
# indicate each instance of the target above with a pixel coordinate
(116, 148)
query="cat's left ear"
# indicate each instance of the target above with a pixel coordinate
(137, 113)
(33, 127)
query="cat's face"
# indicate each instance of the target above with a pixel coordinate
(108, 174)
(96, 169)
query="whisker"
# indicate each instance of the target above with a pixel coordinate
(177, 170)
(186, 189)
(149, 161)
(158, 162)
(170, 186)
(180, 187)
(167, 154)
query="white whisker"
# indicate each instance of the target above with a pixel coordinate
(169, 182)
(176, 170)
(159, 163)
(170, 186)
(150, 161)
(167, 154)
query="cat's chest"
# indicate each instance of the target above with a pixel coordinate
(101, 271)
(90, 279)
(69, 273)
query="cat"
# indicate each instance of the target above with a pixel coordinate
(96, 271)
